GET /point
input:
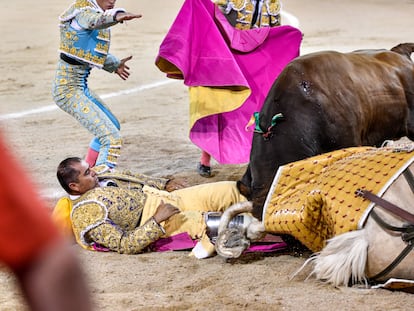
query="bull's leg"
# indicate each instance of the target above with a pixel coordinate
(244, 184)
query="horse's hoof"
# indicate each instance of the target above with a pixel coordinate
(231, 243)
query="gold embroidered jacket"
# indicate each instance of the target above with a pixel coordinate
(109, 216)
(248, 14)
(85, 34)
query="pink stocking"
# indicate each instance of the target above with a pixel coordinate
(205, 158)
(91, 157)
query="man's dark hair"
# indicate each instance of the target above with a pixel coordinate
(67, 174)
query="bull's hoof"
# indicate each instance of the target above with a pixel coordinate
(231, 243)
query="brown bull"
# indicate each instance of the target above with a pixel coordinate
(330, 100)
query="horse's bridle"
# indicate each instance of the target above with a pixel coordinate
(407, 231)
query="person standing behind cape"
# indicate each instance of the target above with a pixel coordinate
(251, 14)
(230, 74)
(85, 39)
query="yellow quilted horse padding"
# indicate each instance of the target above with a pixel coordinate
(314, 199)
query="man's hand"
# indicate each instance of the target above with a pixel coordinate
(175, 184)
(126, 16)
(123, 69)
(165, 211)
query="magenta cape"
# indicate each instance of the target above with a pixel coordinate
(210, 55)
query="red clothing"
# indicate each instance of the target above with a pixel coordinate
(25, 225)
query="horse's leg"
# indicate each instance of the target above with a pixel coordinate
(231, 242)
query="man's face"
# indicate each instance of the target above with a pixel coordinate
(106, 4)
(87, 178)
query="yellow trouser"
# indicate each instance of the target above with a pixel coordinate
(193, 202)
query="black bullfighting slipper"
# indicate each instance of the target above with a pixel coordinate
(204, 170)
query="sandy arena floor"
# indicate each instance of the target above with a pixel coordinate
(154, 115)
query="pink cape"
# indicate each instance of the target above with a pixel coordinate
(203, 49)
(183, 241)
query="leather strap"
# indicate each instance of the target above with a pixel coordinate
(386, 205)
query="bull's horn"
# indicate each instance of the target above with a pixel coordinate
(231, 212)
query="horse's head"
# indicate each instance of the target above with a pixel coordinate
(390, 231)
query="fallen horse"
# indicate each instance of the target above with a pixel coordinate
(351, 207)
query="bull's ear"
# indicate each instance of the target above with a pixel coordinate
(243, 189)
